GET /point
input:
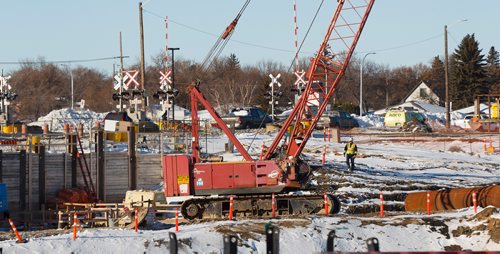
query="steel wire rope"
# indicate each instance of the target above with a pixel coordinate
(65, 61)
(307, 32)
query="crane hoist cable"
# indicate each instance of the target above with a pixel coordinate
(222, 41)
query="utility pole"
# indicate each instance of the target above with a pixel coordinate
(143, 65)
(121, 73)
(173, 80)
(447, 98)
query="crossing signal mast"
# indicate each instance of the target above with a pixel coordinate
(6, 96)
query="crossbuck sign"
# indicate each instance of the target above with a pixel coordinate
(165, 80)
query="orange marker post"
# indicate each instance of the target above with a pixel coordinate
(136, 219)
(326, 204)
(176, 219)
(323, 156)
(19, 239)
(381, 204)
(329, 134)
(428, 203)
(75, 220)
(273, 203)
(485, 150)
(231, 207)
(474, 201)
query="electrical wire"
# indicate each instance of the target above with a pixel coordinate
(215, 35)
(65, 61)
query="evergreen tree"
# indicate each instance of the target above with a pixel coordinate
(493, 70)
(468, 76)
(493, 59)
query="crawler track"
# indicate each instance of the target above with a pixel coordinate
(256, 206)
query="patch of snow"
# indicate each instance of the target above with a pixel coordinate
(57, 118)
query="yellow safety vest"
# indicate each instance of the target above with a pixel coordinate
(351, 148)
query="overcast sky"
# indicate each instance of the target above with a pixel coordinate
(402, 32)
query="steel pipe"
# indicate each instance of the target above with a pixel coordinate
(450, 199)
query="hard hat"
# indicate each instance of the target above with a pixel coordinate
(350, 139)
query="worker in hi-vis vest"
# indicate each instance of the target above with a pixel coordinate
(350, 151)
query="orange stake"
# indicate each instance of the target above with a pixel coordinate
(381, 204)
(324, 134)
(326, 204)
(231, 207)
(323, 156)
(273, 203)
(485, 150)
(19, 239)
(75, 219)
(474, 201)
(329, 136)
(176, 219)
(428, 203)
(136, 220)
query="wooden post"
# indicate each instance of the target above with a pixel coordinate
(132, 160)
(22, 180)
(41, 176)
(100, 165)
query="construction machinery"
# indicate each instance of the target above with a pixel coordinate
(258, 187)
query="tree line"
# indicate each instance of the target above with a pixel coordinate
(43, 87)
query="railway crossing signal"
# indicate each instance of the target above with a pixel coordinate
(120, 80)
(274, 95)
(131, 75)
(300, 78)
(5, 95)
(165, 80)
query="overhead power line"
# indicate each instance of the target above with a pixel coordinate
(65, 61)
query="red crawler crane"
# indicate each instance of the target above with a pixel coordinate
(281, 170)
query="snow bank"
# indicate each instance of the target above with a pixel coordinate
(369, 121)
(57, 118)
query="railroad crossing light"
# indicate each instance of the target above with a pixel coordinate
(126, 95)
(137, 93)
(160, 95)
(173, 93)
(11, 96)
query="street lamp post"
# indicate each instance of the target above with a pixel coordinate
(361, 83)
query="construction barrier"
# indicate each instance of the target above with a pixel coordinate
(453, 199)
(176, 219)
(273, 203)
(136, 219)
(231, 207)
(474, 201)
(323, 156)
(381, 204)
(326, 204)
(428, 203)
(75, 220)
(19, 238)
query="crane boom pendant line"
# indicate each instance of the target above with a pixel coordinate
(343, 34)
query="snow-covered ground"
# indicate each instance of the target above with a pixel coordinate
(392, 163)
